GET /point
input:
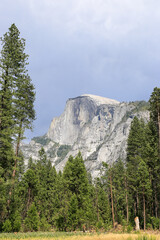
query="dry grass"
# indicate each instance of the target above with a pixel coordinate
(109, 236)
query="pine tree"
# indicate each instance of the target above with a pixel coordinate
(3, 206)
(6, 111)
(135, 151)
(108, 177)
(155, 111)
(154, 147)
(16, 103)
(76, 180)
(73, 212)
(32, 219)
(152, 161)
(47, 180)
(144, 185)
(120, 191)
(102, 202)
(27, 190)
(16, 96)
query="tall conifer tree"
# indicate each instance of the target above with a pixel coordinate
(16, 96)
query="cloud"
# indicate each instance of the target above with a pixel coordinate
(105, 47)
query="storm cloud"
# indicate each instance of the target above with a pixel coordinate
(108, 48)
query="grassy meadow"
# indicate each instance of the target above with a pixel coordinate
(79, 236)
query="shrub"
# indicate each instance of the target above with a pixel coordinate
(99, 224)
(7, 227)
(124, 225)
(16, 222)
(149, 226)
(129, 228)
(155, 222)
(63, 150)
(44, 226)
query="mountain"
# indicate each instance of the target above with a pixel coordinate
(96, 126)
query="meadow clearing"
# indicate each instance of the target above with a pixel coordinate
(79, 236)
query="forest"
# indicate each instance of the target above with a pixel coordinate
(38, 198)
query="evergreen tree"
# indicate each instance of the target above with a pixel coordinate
(16, 96)
(144, 186)
(73, 212)
(154, 144)
(155, 111)
(119, 191)
(152, 161)
(27, 190)
(62, 200)
(76, 180)
(32, 219)
(108, 179)
(135, 151)
(16, 103)
(102, 203)
(3, 206)
(46, 185)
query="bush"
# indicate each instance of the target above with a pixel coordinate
(7, 227)
(155, 222)
(149, 226)
(44, 226)
(129, 228)
(108, 226)
(99, 224)
(63, 150)
(16, 222)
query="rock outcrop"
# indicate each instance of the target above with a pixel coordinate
(96, 126)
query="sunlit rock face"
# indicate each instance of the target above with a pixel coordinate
(97, 127)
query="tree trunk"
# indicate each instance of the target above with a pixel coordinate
(156, 204)
(126, 200)
(17, 149)
(112, 201)
(135, 209)
(144, 210)
(15, 163)
(29, 198)
(137, 198)
(97, 206)
(137, 223)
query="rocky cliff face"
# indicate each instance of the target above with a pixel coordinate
(96, 126)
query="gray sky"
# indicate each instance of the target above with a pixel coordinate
(109, 48)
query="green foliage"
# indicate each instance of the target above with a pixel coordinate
(99, 224)
(63, 150)
(129, 228)
(16, 112)
(155, 104)
(43, 140)
(73, 212)
(17, 222)
(7, 226)
(155, 222)
(32, 219)
(76, 180)
(43, 225)
(145, 237)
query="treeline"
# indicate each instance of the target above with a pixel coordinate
(43, 199)
(39, 198)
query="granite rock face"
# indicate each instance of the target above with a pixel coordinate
(96, 126)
